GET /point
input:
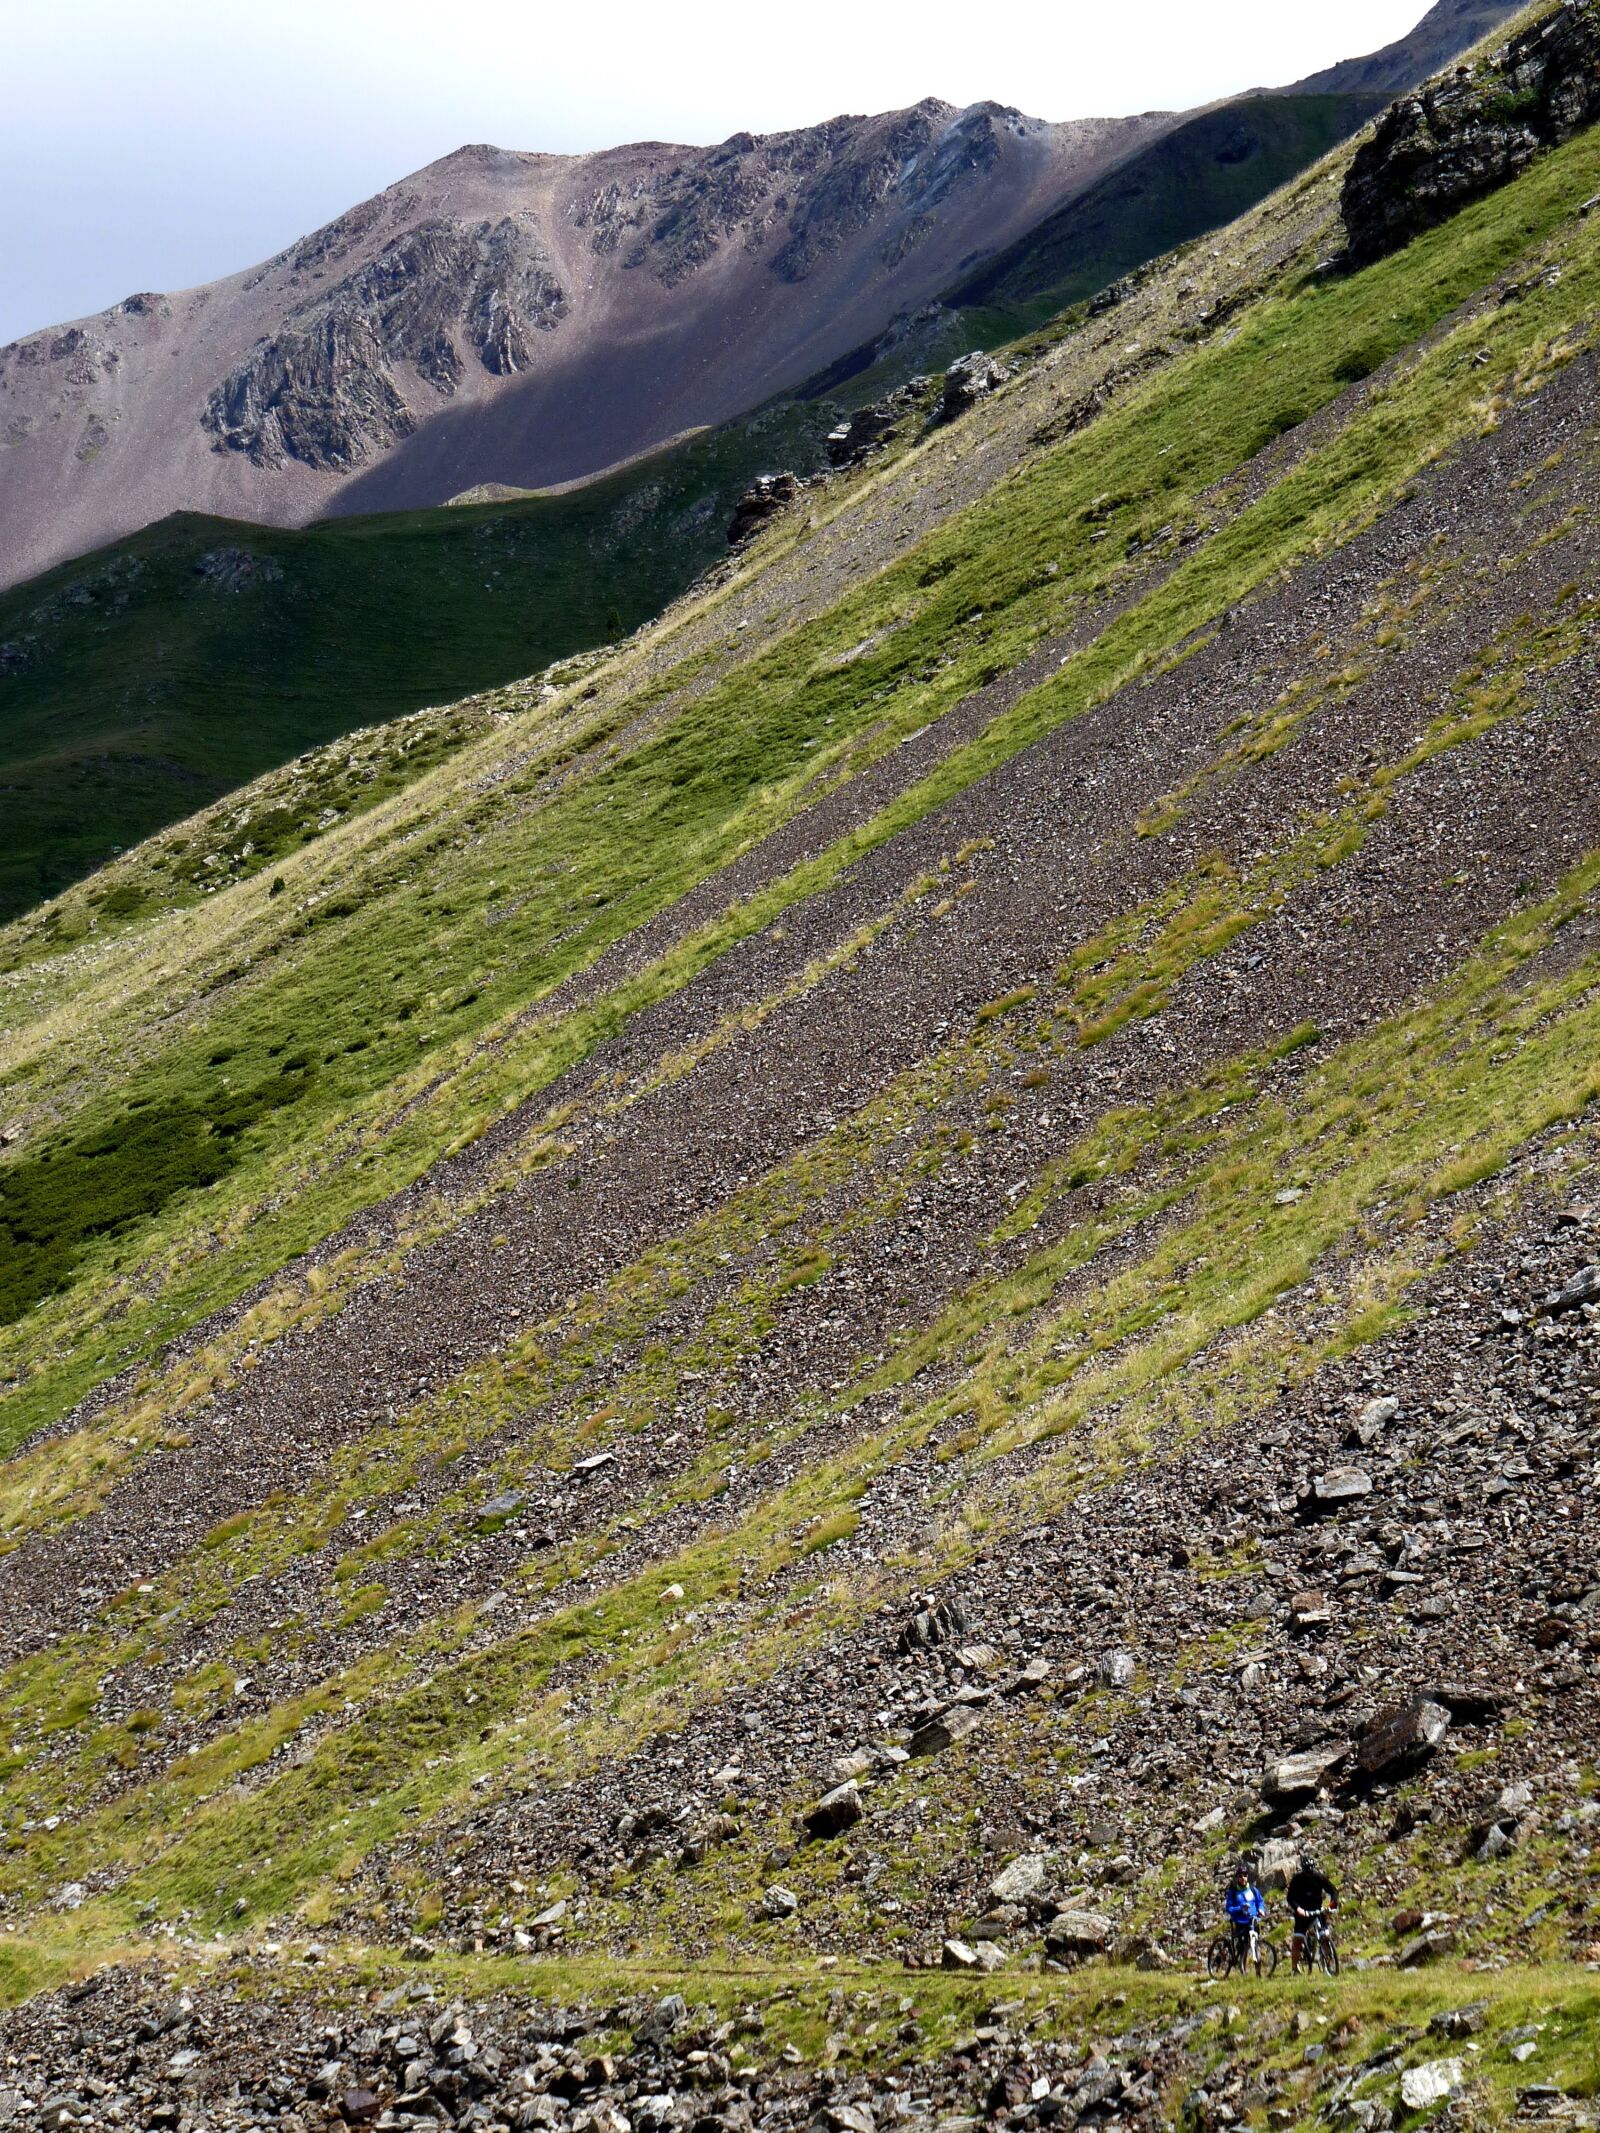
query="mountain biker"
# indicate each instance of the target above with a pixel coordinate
(1309, 1893)
(1244, 1903)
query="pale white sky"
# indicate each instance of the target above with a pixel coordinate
(152, 144)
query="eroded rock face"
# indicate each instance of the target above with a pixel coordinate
(764, 500)
(330, 390)
(1467, 135)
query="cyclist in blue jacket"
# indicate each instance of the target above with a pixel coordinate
(1244, 1902)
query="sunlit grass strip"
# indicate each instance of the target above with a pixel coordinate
(1292, 346)
(421, 1747)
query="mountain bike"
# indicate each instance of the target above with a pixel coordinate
(1318, 1951)
(1244, 1948)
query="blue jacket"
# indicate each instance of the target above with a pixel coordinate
(1244, 1906)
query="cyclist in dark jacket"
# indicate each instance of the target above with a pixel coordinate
(1309, 1891)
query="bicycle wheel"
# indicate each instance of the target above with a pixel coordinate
(1330, 1955)
(1266, 1959)
(1219, 1957)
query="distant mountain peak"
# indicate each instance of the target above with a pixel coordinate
(1447, 29)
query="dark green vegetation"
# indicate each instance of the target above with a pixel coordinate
(142, 682)
(1205, 174)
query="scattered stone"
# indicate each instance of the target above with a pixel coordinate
(835, 1812)
(1437, 2081)
(950, 1727)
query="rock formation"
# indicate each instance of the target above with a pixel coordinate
(1472, 132)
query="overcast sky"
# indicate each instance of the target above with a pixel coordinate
(152, 144)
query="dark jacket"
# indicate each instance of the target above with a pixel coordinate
(1309, 1891)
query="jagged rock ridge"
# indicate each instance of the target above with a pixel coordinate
(1469, 134)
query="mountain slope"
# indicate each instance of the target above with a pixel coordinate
(524, 319)
(139, 682)
(142, 682)
(868, 1290)
(529, 320)
(1199, 176)
(1450, 27)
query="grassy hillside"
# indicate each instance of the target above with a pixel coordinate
(816, 1307)
(144, 681)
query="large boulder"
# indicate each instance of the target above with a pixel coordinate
(1278, 1863)
(1427, 1947)
(968, 380)
(1471, 1703)
(766, 497)
(1421, 2087)
(1072, 1935)
(1023, 1879)
(835, 1812)
(1583, 1288)
(1401, 1738)
(1337, 1490)
(864, 431)
(1295, 1779)
(936, 1621)
(1116, 1670)
(663, 2019)
(943, 1732)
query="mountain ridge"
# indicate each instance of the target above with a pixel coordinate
(1449, 27)
(492, 277)
(530, 320)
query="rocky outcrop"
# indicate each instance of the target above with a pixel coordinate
(969, 379)
(1466, 136)
(767, 496)
(330, 389)
(869, 428)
